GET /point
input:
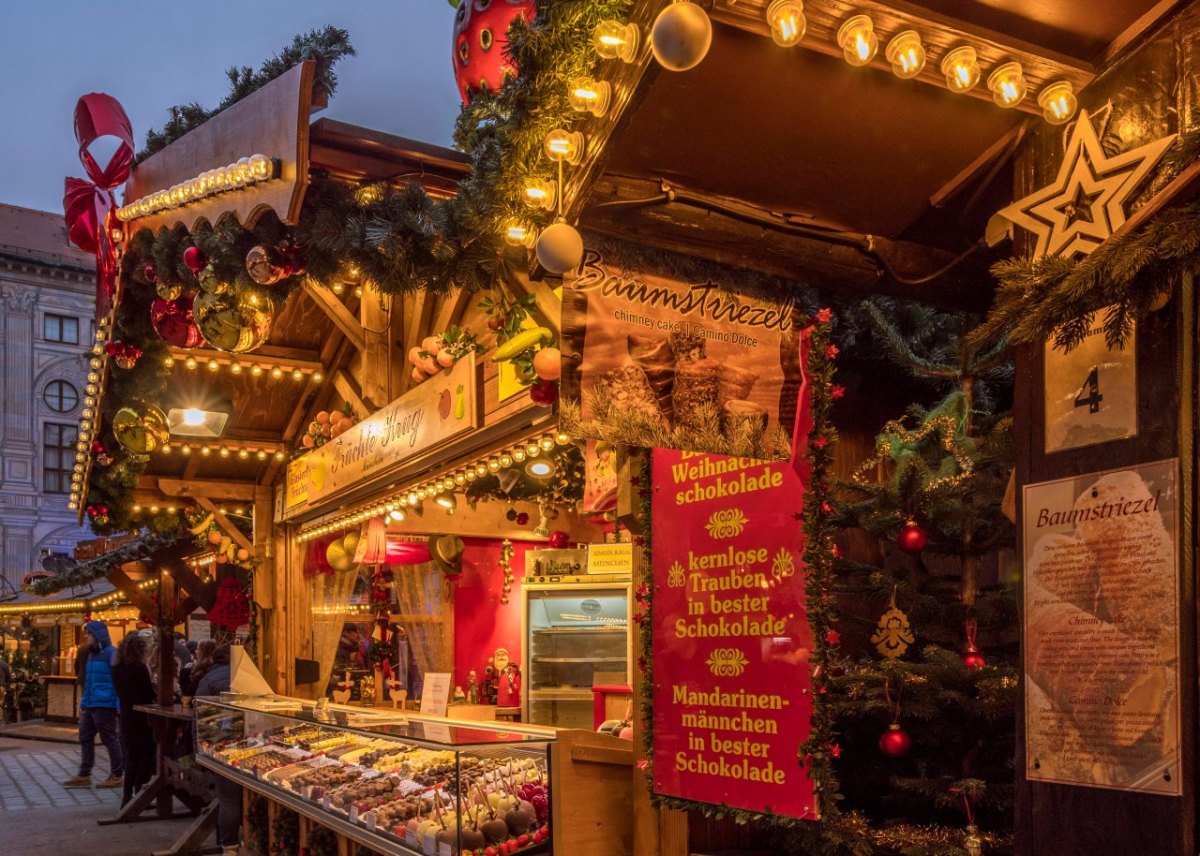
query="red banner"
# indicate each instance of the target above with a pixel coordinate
(732, 700)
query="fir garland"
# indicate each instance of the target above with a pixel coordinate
(99, 567)
(326, 46)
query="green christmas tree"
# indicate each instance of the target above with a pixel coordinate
(922, 539)
(26, 689)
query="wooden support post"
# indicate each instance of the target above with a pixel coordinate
(204, 594)
(341, 317)
(380, 373)
(166, 638)
(264, 547)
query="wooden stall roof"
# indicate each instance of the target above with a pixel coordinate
(766, 147)
(317, 330)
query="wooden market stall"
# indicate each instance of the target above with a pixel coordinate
(368, 489)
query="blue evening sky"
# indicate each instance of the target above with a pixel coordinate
(151, 54)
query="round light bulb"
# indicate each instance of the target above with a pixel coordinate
(235, 368)
(858, 41)
(277, 372)
(493, 465)
(961, 69)
(1058, 102)
(190, 362)
(540, 193)
(615, 40)
(590, 96)
(519, 235)
(213, 365)
(506, 460)
(563, 145)
(1008, 85)
(261, 167)
(787, 22)
(906, 54)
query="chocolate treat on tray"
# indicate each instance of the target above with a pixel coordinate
(325, 777)
(265, 761)
(628, 389)
(696, 392)
(688, 347)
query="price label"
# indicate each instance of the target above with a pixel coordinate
(1090, 392)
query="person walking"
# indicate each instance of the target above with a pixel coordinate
(215, 680)
(131, 677)
(98, 710)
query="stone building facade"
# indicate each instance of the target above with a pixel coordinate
(47, 304)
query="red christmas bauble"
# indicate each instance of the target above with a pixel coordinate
(195, 259)
(559, 539)
(150, 274)
(973, 659)
(912, 538)
(174, 323)
(522, 518)
(544, 392)
(481, 40)
(895, 742)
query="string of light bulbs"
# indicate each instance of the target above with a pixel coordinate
(75, 605)
(442, 488)
(244, 172)
(258, 450)
(907, 55)
(215, 362)
(89, 418)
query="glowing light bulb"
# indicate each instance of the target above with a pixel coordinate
(787, 22)
(1008, 85)
(168, 361)
(235, 368)
(213, 365)
(1058, 102)
(614, 40)
(261, 167)
(297, 374)
(277, 372)
(519, 235)
(191, 362)
(563, 145)
(590, 96)
(906, 54)
(961, 68)
(857, 39)
(256, 370)
(193, 416)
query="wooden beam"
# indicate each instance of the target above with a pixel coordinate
(225, 524)
(1131, 37)
(205, 594)
(337, 312)
(377, 363)
(840, 262)
(136, 596)
(547, 307)
(1008, 142)
(1180, 189)
(348, 390)
(264, 534)
(197, 488)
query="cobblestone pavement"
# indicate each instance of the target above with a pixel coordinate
(30, 776)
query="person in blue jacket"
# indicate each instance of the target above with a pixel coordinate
(98, 710)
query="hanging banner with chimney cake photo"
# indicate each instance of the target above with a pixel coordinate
(1102, 630)
(732, 692)
(665, 352)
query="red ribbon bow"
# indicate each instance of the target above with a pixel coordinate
(89, 205)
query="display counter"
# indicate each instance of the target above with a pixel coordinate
(395, 782)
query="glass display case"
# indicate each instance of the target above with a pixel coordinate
(577, 637)
(396, 783)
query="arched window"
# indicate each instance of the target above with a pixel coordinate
(61, 397)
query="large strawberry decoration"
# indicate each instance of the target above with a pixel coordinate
(480, 40)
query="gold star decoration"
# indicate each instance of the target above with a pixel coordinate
(1086, 202)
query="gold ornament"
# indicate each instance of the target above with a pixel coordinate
(168, 290)
(237, 322)
(1086, 202)
(141, 433)
(893, 634)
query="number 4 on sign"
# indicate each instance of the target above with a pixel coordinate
(1092, 387)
